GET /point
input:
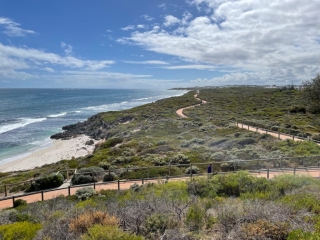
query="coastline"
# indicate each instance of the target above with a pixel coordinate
(59, 150)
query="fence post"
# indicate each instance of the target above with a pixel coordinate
(169, 169)
(242, 125)
(12, 201)
(191, 170)
(127, 171)
(293, 137)
(268, 173)
(94, 185)
(69, 192)
(5, 190)
(248, 127)
(281, 163)
(294, 171)
(42, 197)
(142, 181)
(118, 185)
(234, 165)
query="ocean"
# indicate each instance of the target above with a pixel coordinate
(28, 117)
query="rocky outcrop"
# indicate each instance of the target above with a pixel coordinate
(95, 127)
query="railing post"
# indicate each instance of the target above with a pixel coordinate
(118, 185)
(142, 181)
(294, 171)
(127, 171)
(12, 201)
(268, 171)
(69, 192)
(94, 185)
(5, 190)
(42, 197)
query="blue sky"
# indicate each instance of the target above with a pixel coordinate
(157, 44)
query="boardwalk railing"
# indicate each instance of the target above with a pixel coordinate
(263, 167)
(292, 133)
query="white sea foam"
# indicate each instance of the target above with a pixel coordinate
(22, 122)
(57, 115)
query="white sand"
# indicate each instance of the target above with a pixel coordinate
(59, 150)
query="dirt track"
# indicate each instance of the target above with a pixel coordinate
(180, 111)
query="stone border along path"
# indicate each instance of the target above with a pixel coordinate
(126, 185)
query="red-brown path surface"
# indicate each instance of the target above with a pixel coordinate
(126, 185)
(179, 112)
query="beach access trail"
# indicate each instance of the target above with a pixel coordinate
(180, 111)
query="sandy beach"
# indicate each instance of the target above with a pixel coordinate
(59, 150)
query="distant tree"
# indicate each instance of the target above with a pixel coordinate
(311, 93)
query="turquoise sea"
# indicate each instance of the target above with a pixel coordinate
(28, 117)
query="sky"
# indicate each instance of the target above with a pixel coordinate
(157, 44)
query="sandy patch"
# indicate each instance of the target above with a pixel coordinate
(59, 150)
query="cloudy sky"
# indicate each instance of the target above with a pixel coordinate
(157, 44)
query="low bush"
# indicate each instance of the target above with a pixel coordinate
(19, 202)
(105, 165)
(156, 223)
(263, 229)
(299, 234)
(109, 177)
(179, 159)
(83, 222)
(98, 232)
(19, 231)
(52, 180)
(195, 217)
(85, 193)
(88, 175)
(161, 142)
(193, 169)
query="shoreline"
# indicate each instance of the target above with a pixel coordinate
(59, 150)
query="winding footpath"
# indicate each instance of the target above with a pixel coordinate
(179, 112)
(65, 190)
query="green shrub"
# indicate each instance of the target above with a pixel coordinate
(109, 177)
(19, 202)
(195, 217)
(112, 142)
(179, 159)
(85, 193)
(99, 232)
(105, 165)
(301, 235)
(193, 169)
(19, 230)
(53, 180)
(156, 223)
(88, 175)
(161, 142)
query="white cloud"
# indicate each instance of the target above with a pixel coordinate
(14, 60)
(163, 6)
(170, 21)
(13, 29)
(49, 69)
(108, 30)
(155, 62)
(193, 66)
(67, 48)
(141, 26)
(147, 17)
(248, 35)
(127, 28)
